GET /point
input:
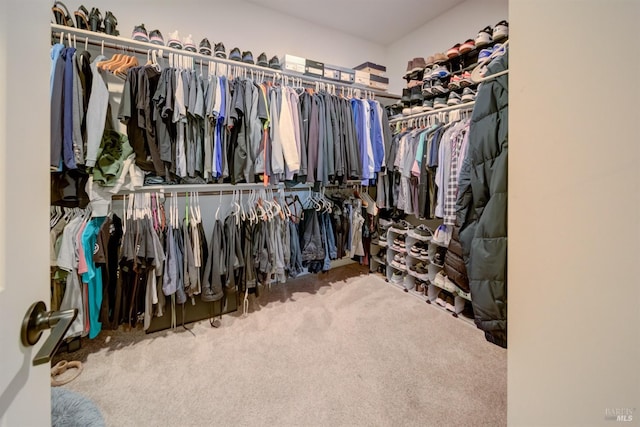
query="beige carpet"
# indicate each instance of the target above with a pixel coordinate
(319, 351)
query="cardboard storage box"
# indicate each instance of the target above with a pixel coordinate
(371, 68)
(378, 82)
(363, 78)
(293, 63)
(314, 68)
(341, 74)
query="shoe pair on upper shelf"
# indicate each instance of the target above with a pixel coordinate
(86, 20)
(488, 35)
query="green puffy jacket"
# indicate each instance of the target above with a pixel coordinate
(481, 206)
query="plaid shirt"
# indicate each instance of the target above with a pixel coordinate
(457, 141)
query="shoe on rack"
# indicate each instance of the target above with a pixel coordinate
(61, 14)
(439, 103)
(484, 55)
(500, 30)
(235, 54)
(484, 37)
(437, 88)
(440, 72)
(397, 277)
(422, 230)
(406, 111)
(219, 51)
(407, 73)
(262, 60)
(498, 49)
(426, 74)
(188, 44)
(426, 88)
(440, 299)
(416, 95)
(439, 58)
(467, 46)
(442, 235)
(205, 47)
(82, 18)
(140, 33)
(419, 64)
(412, 83)
(110, 24)
(174, 40)
(465, 79)
(95, 20)
(429, 61)
(155, 37)
(247, 57)
(406, 96)
(427, 105)
(274, 63)
(454, 51)
(454, 99)
(454, 82)
(438, 258)
(468, 95)
(449, 303)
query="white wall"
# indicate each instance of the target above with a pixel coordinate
(241, 24)
(454, 26)
(574, 214)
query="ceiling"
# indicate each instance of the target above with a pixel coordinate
(378, 21)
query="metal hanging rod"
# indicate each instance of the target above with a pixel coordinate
(142, 48)
(465, 106)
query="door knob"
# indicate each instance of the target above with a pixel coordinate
(37, 320)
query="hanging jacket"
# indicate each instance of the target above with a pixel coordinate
(481, 206)
(454, 266)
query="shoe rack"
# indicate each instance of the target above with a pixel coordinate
(414, 272)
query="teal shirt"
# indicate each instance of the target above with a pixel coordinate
(93, 277)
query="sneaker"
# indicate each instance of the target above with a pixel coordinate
(442, 235)
(416, 95)
(484, 37)
(422, 230)
(412, 83)
(427, 105)
(188, 44)
(426, 88)
(454, 82)
(235, 54)
(440, 300)
(139, 33)
(465, 79)
(417, 109)
(440, 72)
(484, 54)
(155, 37)
(247, 57)
(501, 30)
(205, 47)
(440, 103)
(426, 74)
(262, 60)
(498, 49)
(409, 69)
(397, 258)
(419, 64)
(219, 51)
(468, 95)
(454, 51)
(406, 111)
(439, 58)
(467, 46)
(449, 303)
(438, 258)
(429, 61)
(419, 286)
(174, 40)
(454, 99)
(437, 88)
(439, 279)
(406, 96)
(274, 63)
(397, 277)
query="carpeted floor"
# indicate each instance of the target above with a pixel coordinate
(338, 349)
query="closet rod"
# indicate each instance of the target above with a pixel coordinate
(200, 188)
(467, 105)
(142, 48)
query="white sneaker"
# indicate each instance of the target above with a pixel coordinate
(501, 30)
(484, 36)
(468, 95)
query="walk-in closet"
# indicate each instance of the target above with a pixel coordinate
(265, 212)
